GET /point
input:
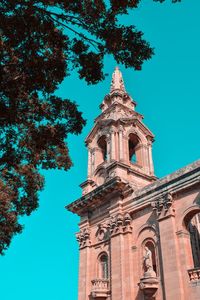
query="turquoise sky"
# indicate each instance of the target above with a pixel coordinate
(42, 262)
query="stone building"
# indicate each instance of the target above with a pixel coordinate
(139, 235)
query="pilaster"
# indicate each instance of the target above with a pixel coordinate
(113, 150)
(83, 237)
(151, 167)
(121, 273)
(121, 150)
(173, 284)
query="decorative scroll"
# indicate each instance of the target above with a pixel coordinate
(102, 232)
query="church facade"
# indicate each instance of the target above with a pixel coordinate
(139, 235)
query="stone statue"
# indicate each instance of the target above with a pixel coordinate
(148, 264)
(148, 259)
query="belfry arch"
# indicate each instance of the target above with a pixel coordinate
(102, 147)
(134, 152)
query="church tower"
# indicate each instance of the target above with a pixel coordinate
(135, 230)
(119, 144)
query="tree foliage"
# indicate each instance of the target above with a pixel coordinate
(41, 42)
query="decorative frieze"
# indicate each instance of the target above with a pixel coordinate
(83, 238)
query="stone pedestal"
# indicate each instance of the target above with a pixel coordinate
(149, 286)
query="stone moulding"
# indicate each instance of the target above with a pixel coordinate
(90, 200)
(179, 180)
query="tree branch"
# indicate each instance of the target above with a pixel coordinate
(64, 17)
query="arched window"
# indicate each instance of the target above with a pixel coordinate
(150, 245)
(193, 227)
(102, 144)
(132, 144)
(103, 266)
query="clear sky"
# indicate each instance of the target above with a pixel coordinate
(42, 262)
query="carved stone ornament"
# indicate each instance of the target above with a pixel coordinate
(83, 238)
(164, 206)
(112, 174)
(148, 264)
(120, 224)
(102, 232)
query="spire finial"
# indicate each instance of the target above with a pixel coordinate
(117, 82)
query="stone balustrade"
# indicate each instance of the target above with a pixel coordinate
(194, 274)
(100, 285)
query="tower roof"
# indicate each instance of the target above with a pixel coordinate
(118, 94)
(117, 82)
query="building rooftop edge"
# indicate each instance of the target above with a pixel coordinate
(140, 193)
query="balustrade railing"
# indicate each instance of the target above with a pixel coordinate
(100, 285)
(194, 274)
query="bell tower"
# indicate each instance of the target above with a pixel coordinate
(119, 144)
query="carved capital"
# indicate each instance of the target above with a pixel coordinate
(83, 238)
(120, 224)
(108, 137)
(164, 206)
(112, 130)
(127, 223)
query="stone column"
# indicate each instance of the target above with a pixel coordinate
(108, 138)
(113, 154)
(93, 161)
(145, 158)
(126, 149)
(139, 155)
(98, 157)
(173, 284)
(89, 162)
(121, 150)
(151, 168)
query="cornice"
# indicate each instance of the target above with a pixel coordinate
(179, 180)
(135, 120)
(90, 200)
